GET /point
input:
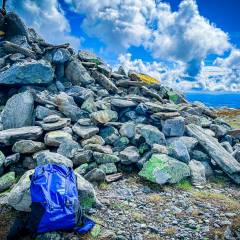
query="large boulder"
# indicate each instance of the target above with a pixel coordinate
(25, 73)
(14, 26)
(163, 169)
(18, 111)
(216, 151)
(77, 73)
(10, 136)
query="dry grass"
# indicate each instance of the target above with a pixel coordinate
(236, 223)
(151, 236)
(219, 199)
(103, 186)
(155, 198)
(171, 231)
(138, 217)
(218, 233)
(231, 116)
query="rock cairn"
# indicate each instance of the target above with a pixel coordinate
(59, 106)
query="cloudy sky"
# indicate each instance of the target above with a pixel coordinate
(188, 44)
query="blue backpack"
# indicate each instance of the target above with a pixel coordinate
(55, 205)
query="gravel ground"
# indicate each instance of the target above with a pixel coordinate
(137, 210)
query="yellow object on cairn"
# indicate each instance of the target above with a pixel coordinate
(144, 78)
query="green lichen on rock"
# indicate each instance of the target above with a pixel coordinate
(163, 169)
(6, 181)
(175, 97)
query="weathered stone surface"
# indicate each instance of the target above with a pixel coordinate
(227, 146)
(68, 107)
(51, 119)
(11, 159)
(109, 134)
(190, 142)
(128, 130)
(61, 55)
(98, 148)
(200, 156)
(68, 148)
(85, 131)
(152, 135)
(108, 168)
(18, 111)
(101, 158)
(104, 116)
(122, 103)
(43, 112)
(96, 175)
(77, 73)
(6, 181)
(104, 81)
(27, 146)
(93, 140)
(10, 136)
(19, 196)
(198, 176)
(34, 72)
(45, 157)
(178, 150)
(214, 149)
(219, 130)
(15, 25)
(63, 122)
(89, 105)
(129, 155)
(163, 169)
(2, 159)
(55, 138)
(81, 157)
(174, 127)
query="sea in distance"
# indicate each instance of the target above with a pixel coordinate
(216, 99)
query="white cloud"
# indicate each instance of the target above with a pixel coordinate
(47, 18)
(118, 23)
(232, 61)
(183, 35)
(211, 78)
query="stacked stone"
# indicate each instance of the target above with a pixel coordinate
(71, 108)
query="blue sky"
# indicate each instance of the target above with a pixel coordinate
(188, 44)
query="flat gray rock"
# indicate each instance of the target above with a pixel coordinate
(18, 111)
(10, 136)
(217, 152)
(85, 131)
(27, 146)
(34, 72)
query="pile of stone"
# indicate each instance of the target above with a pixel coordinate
(59, 106)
